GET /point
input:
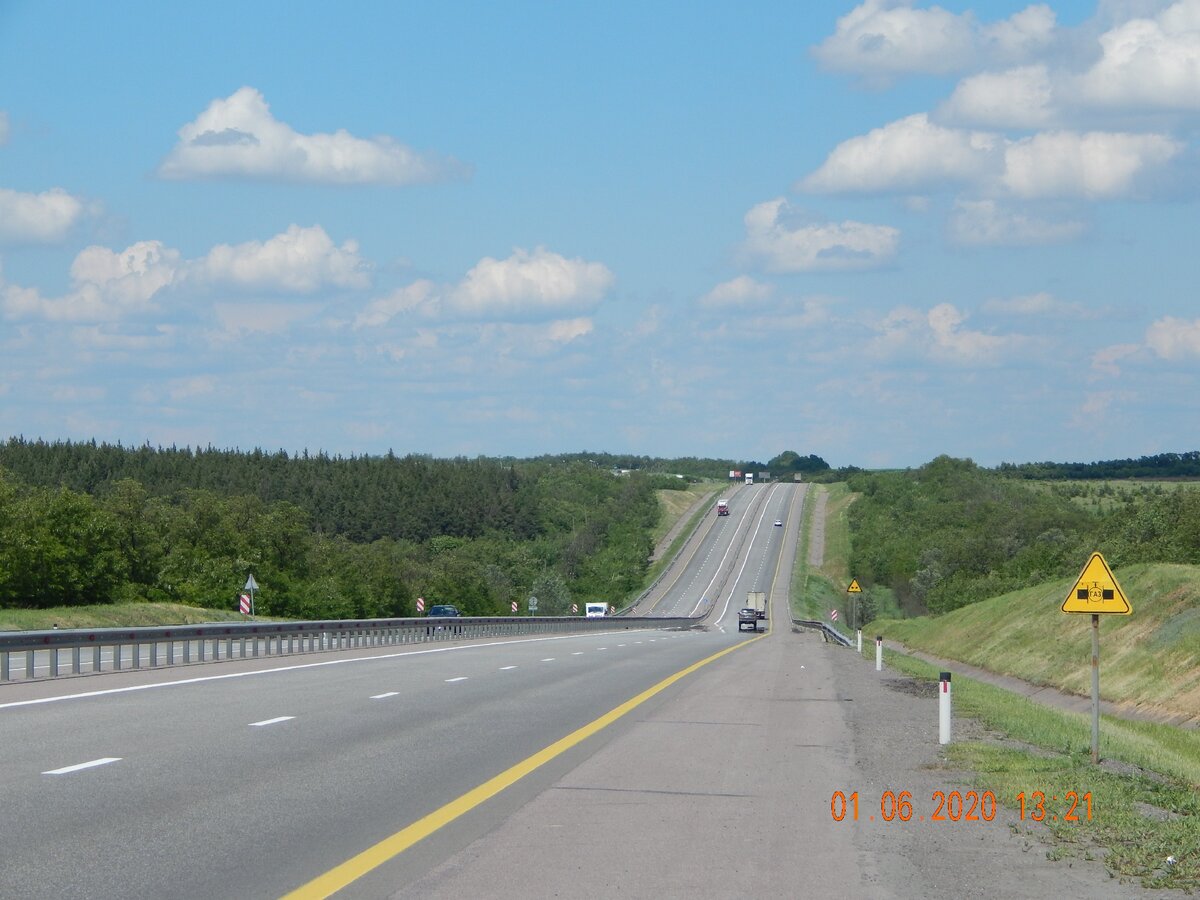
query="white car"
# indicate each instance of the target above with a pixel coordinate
(778, 523)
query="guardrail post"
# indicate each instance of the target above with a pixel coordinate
(4, 673)
(96, 660)
(29, 669)
(76, 666)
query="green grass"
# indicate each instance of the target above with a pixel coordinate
(1149, 660)
(675, 503)
(117, 615)
(680, 539)
(818, 589)
(1144, 799)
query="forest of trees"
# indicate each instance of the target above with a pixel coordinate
(325, 537)
(1159, 467)
(951, 533)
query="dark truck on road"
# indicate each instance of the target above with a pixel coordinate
(747, 615)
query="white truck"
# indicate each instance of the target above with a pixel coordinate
(757, 601)
(595, 610)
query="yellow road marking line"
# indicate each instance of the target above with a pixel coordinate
(357, 866)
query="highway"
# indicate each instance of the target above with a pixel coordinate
(635, 764)
(250, 778)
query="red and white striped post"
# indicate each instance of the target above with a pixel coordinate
(944, 709)
(420, 604)
(879, 653)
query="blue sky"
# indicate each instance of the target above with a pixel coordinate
(877, 232)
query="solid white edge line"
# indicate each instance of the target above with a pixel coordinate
(66, 770)
(274, 721)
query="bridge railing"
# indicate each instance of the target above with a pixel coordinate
(28, 655)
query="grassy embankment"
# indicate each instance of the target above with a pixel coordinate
(675, 505)
(117, 615)
(818, 589)
(1146, 793)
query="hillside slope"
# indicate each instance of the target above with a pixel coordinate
(1149, 660)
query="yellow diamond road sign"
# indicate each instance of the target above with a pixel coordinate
(854, 588)
(1096, 591)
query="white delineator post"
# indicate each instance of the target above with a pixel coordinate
(879, 653)
(944, 709)
(860, 640)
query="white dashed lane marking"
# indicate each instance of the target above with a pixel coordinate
(66, 770)
(274, 721)
(385, 696)
(459, 678)
(506, 668)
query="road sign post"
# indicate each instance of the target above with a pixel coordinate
(1096, 593)
(854, 590)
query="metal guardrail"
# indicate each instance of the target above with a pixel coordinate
(52, 654)
(831, 633)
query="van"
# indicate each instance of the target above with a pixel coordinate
(595, 610)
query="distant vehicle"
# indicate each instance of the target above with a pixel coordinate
(747, 616)
(722, 507)
(749, 478)
(595, 610)
(757, 601)
(778, 523)
(444, 611)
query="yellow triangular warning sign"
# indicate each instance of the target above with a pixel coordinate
(1096, 591)
(854, 588)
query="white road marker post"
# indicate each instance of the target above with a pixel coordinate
(860, 640)
(879, 653)
(944, 709)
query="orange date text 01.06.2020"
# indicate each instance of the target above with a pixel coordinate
(963, 806)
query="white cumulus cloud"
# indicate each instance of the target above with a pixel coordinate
(1172, 338)
(105, 285)
(912, 153)
(527, 286)
(1094, 165)
(986, 223)
(740, 291)
(1149, 62)
(940, 335)
(1015, 98)
(538, 284)
(37, 218)
(298, 260)
(818, 247)
(884, 38)
(420, 296)
(238, 136)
